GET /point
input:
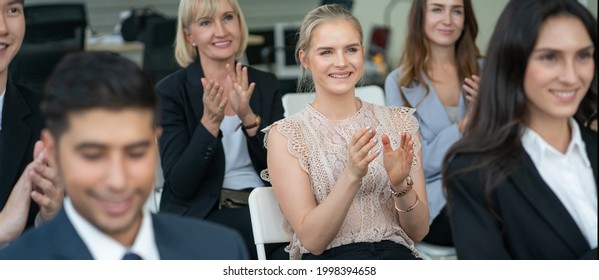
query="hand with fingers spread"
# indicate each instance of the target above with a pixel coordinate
(398, 162)
(241, 93)
(214, 106)
(48, 190)
(361, 152)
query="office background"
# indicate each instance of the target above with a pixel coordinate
(262, 15)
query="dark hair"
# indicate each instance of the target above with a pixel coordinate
(500, 114)
(416, 52)
(88, 80)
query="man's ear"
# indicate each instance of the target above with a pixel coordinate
(49, 144)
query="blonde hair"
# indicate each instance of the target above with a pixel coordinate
(189, 12)
(315, 18)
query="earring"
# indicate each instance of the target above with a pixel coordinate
(193, 44)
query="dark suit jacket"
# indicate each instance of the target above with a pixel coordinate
(177, 238)
(22, 123)
(534, 223)
(193, 160)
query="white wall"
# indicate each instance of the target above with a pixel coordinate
(487, 12)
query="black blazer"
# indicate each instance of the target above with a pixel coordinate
(22, 123)
(176, 238)
(534, 223)
(193, 160)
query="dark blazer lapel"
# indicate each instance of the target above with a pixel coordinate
(15, 134)
(65, 239)
(591, 147)
(529, 182)
(433, 114)
(195, 90)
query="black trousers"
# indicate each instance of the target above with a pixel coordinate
(383, 250)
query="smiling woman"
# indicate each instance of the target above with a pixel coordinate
(522, 183)
(212, 110)
(345, 172)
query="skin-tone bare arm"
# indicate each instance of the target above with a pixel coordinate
(398, 163)
(316, 225)
(13, 217)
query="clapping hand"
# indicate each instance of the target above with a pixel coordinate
(48, 190)
(398, 162)
(214, 106)
(361, 152)
(241, 92)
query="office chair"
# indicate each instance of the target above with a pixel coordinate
(268, 222)
(52, 30)
(159, 51)
(295, 102)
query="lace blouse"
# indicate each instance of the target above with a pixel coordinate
(320, 145)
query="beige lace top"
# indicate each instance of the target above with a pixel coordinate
(320, 145)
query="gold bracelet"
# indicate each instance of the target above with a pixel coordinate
(255, 124)
(409, 208)
(405, 190)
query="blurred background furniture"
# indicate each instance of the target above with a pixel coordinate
(295, 102)
(52, 30)
(159, 49)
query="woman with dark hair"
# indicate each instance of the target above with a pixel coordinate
(522, 182)
(439, 54)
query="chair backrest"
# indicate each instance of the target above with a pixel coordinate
(268, 222)
(295, 102)
(159, 50)
(52, 31)
(61, 23)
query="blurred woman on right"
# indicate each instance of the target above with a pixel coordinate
(438, 77)
(522, 182)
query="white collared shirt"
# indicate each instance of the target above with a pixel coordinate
(2, 106)
(570, 177)
(103, 247)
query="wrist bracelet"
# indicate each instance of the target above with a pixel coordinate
(405, 190)
(409, 208)
(255, 124)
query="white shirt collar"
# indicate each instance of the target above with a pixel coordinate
(103, 247)
(2, 106)
(536, 146)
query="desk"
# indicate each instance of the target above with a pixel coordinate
(115, 43)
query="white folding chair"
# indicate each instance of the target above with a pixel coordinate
(295, 102)
(371, 94)
(435, 252)
(268, 222)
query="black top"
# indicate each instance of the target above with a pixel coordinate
(22, 123)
